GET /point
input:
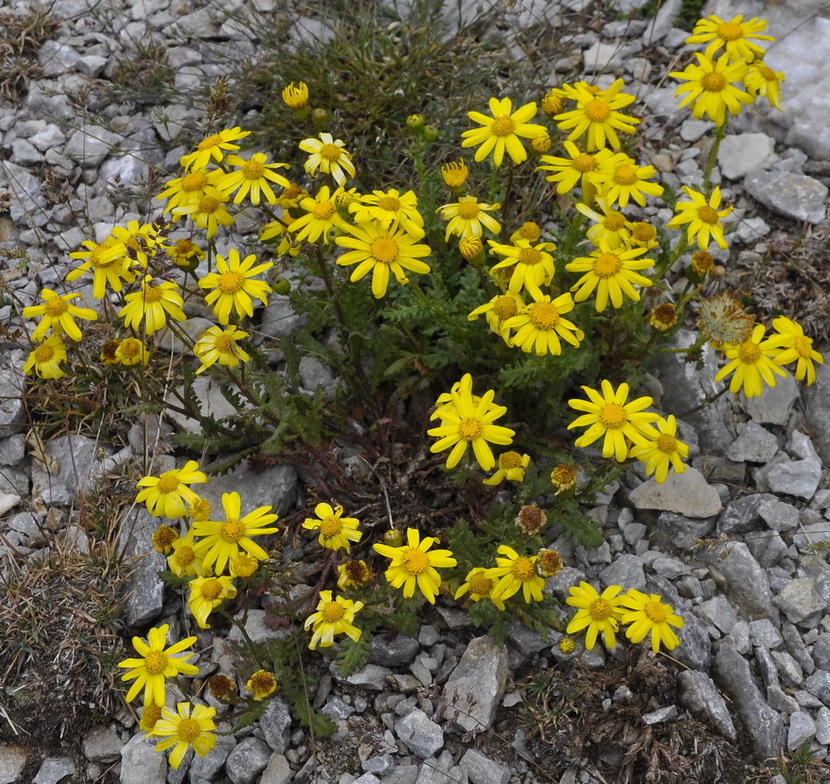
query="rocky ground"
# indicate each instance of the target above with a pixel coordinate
(751, 679)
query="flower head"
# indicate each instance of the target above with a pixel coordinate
(619, 179)
(58, 314)
(415, 565)
(753, 363)
(549, 563)
(511, 466)
(183, 561)
(760, 79)
(206, 594)
(163, 538)
(191, 188)
(252, 178)
(609, 225)
(156, 664)
(191, 726)
(663, 450)
(531, 265)
(567, 172)
(220, 345)
(455, 174)
(334, 616)
(648, 615)
(723, 319)
(498, 312)
(153, 304)
(467, 419)
(131, 351)
(321, 219)
(233, 287)
(609, 415)
(732, 36)
(212, 148)
(613, 273)
(168, 495)
(515, 572)
(108, 263)
(540, 324)
(711, 87)
(336, 531)
(295, 95)
(207, 212)
(599, 613)
(597, 117)
(663, 317)
(500, 133)
(479, 586)
(261, 684)
(703, 217)
(329, 156)
(244, 565)
(796, 347)
(353, 574)
(390, 206)
(468, 218)
(531, 519)
(45, 360)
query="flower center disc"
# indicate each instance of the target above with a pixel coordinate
(584, 162)
(468, 210)
(232, 531)
(208, 204)
(510, 460)
(331, 526)
(523, 568)
(324, 210)
(613, 416)
(211, 141)
(803, 345)
(625, 175)
(153, 293)
(414, 561)
(505, 307)
(189, 730)
(194, 181)
(600, 609)
(155, 662)
(211, 589)
(707, 215)
(656, 611)
(225, 344)
(767, 73)
(167, 483)
(185, 556)
(330, 152)
(713, 82)
(389, 203)
(749, 352)
(597, 110)
(730, 31)
(253, 170)
(231, 282)
(614, 221)
(384, 250)
(543, 315)
(480, 585)
(44, 353)
(606, 265)
(503, 126)
(55, 307)
(666, 443)
(469, 429)
(333, 612)
(529, 256)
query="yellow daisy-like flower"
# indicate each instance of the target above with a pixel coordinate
(567, 172)
(208, 212)
(206, 594)
(45, 360)
(253, 178)
(703, 217)
(613, 273)
(511, 466)
(380, 250)
(58, 314)
(191, 726)
(596, 116)
(796, 347)
(619, 179)
(648, 615)
(150, 714)
(108, 263)
(321, 218)
(663, 317)
(233, 287)
(390, 206)
(261, 684)
(455, 174)
(220, 345)
(415, 565)
(138, 240)
(334, 616)
(711, 87)
(353, 574)
(156, 664)
(329, 156)
(244, 565)
(192, 187)
(501, 132)
(152, 304)
(163, 538)
(760, 79)
(213, 148)
(515, 572)
(468, 218)
(643, 235)
(186, 254)
(732, 36)
(498, 311)
(563, 477)
(549, 563)
(168, 495)
(609, 415)
(662, 451)
(540, 325)
(599, 613)
(609, 225)
(753, 363)
(295, 95)
(223, 539)
(479, 586)
(467, 419)
(531, 265)
(183, 561)
(336, 531)
(131, 351)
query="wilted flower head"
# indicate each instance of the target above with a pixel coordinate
(221, 687)
(549, 563)
(663, 317)
(531, 520)
(723, 319)
(563, 477)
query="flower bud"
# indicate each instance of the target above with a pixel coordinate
(430, 133)
(393, 538)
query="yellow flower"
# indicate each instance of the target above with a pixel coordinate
(468, 218)
(540, 324)
(643, 235)
(390, 206)
(663, 317)
(211, 149)
(599, 613)
(223, 539)
(529, 230)
(471, 247)
(648, 615)
(150, 714)
(414, 564)
(252, 178)
(501, 132)
(138, 240)
(329, 156)
(596, 116)
(563, 477)
(455, 174)
(753, 363)
(191, 188)
(609, 415)
(467, 419)
(732, 36)
(612, 273)
(183, 561)
(131, 351)
(333, 616)
(549, 563)
(208, 212)
(566, 646)
(295, 95)
(353, 574)
(206, 594)
(186, 253)
(219, 345)
(795, 346)
(619, 179)
(168, 495)
(163, 538)
(711, 87)
(335, 530)
(531, 265)
(609, 225)
(703, 217)
(380, 250)
(516, 572)
(58, 314)
(45, 360)
(156, 664)
(243, 565)
(760, 79)
(479, 586)
(569, 171)
(321, 218)
(185, 729)
(232, 286)
(152, 305)
(261, 684)
(109, 265)
(511, 466)
(662, 451)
